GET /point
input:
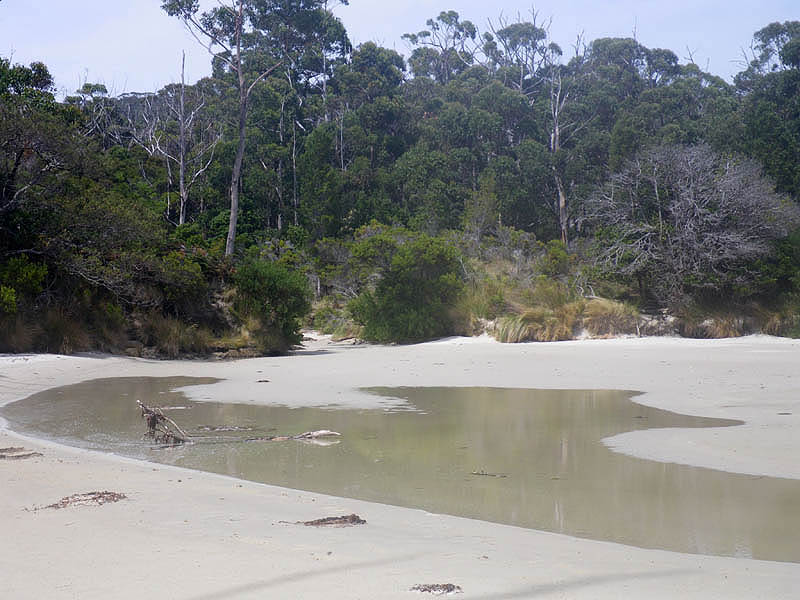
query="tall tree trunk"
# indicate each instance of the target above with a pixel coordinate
(237, 168)
(295, 200)
(562, 208)
(184, 192)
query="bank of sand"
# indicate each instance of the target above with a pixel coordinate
(189, 535)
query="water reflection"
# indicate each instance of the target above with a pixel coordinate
(530, 458)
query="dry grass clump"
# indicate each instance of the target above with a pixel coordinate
(485, 298)
(172, 337)
(62, 333)
(603, 317)
(783, 322)
(724, 326)
(551, 293)
(109, 327)
(17, 335)
(540, 324)
(694, 322)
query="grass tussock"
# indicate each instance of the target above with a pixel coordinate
(712, 323)
(485, 298)
(109, 328)
(784, 321)
(17, 335)
(603, 317)
(540, 324)
(172, 337)
(550, 293)
(63, 334)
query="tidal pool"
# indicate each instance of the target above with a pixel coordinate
(531, 458)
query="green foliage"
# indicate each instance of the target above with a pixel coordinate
(8, 299)
(412, 302)
(182, 278)
(277, 298)
(555, 260)
(20, 280)
(334, 319)
(462, 148)
(26, 277)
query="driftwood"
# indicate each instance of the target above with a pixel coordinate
(161, 428)
(88, 499)
(485, 474)
(308, 435)
(437, 588)
(166, 431)
(17, 453)
(344, 521)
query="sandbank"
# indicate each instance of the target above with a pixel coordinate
(192, 536)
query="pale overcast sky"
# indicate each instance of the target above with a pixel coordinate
(131, 45)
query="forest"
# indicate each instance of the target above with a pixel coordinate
(493, 181)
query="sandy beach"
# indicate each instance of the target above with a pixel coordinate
(196, 536)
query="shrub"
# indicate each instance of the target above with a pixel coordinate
(413, 300)
(277, 298)
(19, 278)
(485, 298)
(550, 293)
(555, 260)
(8, 300)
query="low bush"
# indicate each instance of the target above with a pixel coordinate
(413, 301)
(335, 320)
(276, 298)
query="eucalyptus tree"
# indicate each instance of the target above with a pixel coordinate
(225, 31)
(37, 134)
(770, 106)
(445, 49)
(517, 52)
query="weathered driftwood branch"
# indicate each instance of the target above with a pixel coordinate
(308, 435)
(160, 427)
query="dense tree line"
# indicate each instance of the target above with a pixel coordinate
(395, 187)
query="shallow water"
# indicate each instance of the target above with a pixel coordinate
(531, 458)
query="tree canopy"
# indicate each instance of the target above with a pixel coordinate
(487, 148)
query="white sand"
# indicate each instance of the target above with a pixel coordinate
(190, 535)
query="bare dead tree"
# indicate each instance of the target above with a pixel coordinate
(681, 218)
(172, 126)
(562, 125)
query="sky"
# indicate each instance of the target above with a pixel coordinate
(133, 46)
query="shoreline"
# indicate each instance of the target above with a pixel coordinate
(175, 533)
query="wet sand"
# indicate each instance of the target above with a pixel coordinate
(190, 535)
